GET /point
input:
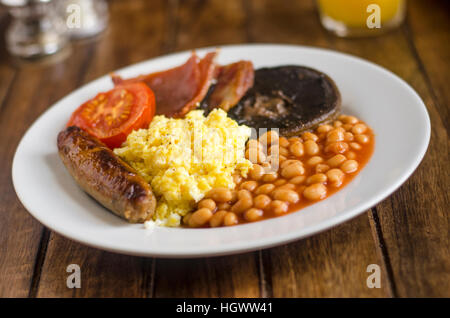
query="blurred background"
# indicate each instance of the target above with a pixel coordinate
(48, 48)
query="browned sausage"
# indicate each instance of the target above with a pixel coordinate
(106, 177)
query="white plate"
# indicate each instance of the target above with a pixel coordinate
(389, 105)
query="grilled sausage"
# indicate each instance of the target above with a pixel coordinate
(104, 176)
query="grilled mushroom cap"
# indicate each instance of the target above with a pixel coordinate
(291, 98)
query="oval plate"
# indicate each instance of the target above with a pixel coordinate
(389, 105)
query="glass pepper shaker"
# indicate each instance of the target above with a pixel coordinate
(84, 18)
(36, 28)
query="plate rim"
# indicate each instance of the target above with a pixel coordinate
(270, 241)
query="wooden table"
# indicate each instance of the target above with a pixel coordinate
(407, 235)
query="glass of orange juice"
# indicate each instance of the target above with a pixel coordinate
(361, 17)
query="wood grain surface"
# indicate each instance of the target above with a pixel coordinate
(407, 234)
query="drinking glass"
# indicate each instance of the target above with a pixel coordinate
(352, 18)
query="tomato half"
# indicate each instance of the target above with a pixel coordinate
(112, 115)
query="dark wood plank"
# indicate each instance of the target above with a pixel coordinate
(27, 98)
(331, 264)
(7, 71)
(228, 276)
(103, 274)
(428, 27)
(334, 263)
(106, 274)
(414, 221)
(285, 21)
(209, 23)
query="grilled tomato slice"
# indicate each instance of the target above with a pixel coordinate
(112, 115)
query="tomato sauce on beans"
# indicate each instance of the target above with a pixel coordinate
(311, 167)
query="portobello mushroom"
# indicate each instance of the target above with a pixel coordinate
(291, 98)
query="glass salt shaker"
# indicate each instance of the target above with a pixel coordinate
(84, 18)
(36, 29)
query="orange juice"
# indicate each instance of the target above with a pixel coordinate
(353, 13)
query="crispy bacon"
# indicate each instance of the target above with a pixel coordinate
(179, 89)
(233, 81)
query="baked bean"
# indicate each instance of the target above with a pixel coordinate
(270, 177)
(274, 150)
(293, 170)
(254, 144)
(314, 160)
(359, 129)
(255, 156)
(245, 201)
(265, 165)
(289, 186)
(223, 206)
(337, 147)
(281, 158)
(253, 214)
(350, 155)
(350, 120)
(270, 137)
(220, 194)
(324, 128)
(347, 127)
(348, 136)
(272, 158)
(335, 135)
(335, 177)
(322, 136)
(336, 160)
(283, 142)
(297, 149)
(257, 172)
(207, 203)
(297, 180)
(265, 188)
(200, 217)
(186, 218)
(362, 139)
(280, 182)
(279, 207)
(355, 146)
(320, 168)
(230, 219)
(261, 201)
(337, 123)
(288, 162)
(283, 151)
(285, 195)
(315, 192)
(244, 194)
(217, 218)
(249, 185)
(349, 166)
(237, 178)
(309, 136)
(311, 147)
(234, 196)
(301, 189)
(316, 178)
(293, 140)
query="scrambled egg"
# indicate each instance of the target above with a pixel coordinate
(184, 158)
